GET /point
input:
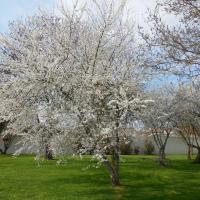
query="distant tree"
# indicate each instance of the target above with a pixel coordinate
(158, 123)
(187, 108)
(187, 132)
(175, 48)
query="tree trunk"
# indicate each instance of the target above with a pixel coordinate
(1, 151)
(115, 167)
(197, 159)
(115, 178)
(115, 155)
(189, 155)
(48, 153)
(162, 157)
(5, 149)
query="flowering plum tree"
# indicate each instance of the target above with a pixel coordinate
(76, 80)
(187, 110)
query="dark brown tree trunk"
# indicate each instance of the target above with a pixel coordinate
(5, 149)
(189, 155)
(197, 159)
(115, 167)
(115, 155)
(115, 178)
(162, 157)
(1, 151)
(48, 153)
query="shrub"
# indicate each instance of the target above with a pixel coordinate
(136, 150)
(149, 147)
(126, 149)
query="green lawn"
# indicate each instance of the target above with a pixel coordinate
(141, 178)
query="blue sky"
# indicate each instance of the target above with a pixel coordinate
(17, 9)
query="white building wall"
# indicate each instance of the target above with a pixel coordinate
(13, 147)
(175, 145)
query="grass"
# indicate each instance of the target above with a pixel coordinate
(141, 178)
